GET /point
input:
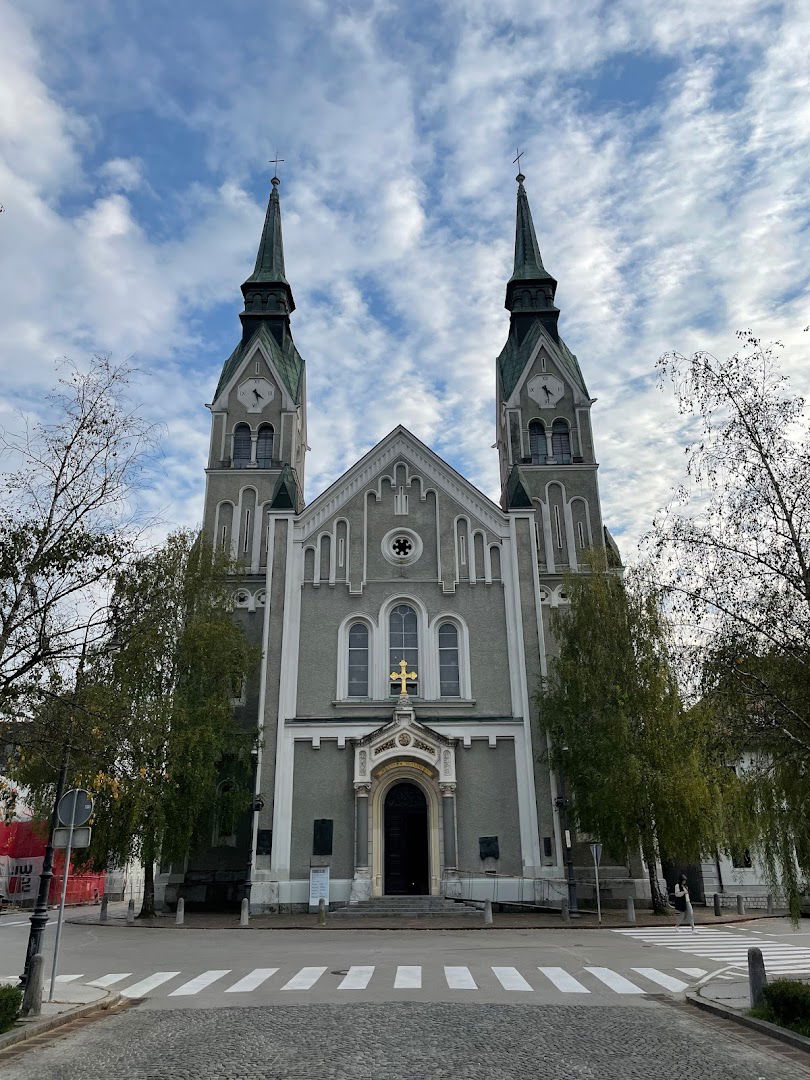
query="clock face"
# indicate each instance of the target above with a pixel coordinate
(255, 393)
(546, 390)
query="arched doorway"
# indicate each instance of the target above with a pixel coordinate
(406, 841)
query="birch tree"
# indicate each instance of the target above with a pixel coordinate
(733, 553)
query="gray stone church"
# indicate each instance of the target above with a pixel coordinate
(435, 782)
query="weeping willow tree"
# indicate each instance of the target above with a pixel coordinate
(644, 774)
(733, 554)
(150, 722)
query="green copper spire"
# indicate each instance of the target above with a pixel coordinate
(531, 288)
(268, 296)
(270, 257)
(528, 263)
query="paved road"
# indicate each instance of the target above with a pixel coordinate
(390, 1004)
(404, 1042)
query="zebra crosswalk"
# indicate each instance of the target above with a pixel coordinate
(724, 946)
(414, 978)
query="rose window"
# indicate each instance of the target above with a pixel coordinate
(402, 547)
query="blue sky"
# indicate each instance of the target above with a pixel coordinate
(667, 153)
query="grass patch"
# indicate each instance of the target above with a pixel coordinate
(786, 1003)
(10, 1004)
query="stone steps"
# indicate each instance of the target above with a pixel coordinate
(405, 906)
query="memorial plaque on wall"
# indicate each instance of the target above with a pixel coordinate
(322, 836)
(264, 842)
(488, 847)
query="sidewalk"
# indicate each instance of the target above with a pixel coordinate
(507, 920)
(74, 1000)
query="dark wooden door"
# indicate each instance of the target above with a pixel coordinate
(406, 842)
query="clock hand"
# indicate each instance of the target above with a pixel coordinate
(257, 395)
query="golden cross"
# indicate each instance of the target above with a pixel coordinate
(403, 676)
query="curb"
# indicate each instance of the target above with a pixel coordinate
(32, 1028)
(368, 923)
(764, 1027)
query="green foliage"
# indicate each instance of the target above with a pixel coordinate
(153, 718)
(11, 998)
(641, 770)
(787, 1003)
(732, 552)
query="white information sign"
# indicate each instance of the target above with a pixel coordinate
(318, 885)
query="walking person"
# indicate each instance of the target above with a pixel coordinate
(683, 905)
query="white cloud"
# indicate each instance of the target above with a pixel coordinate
(668, 223)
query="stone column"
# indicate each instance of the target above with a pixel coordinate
(449, 825)
(361, 829)
(361, 882)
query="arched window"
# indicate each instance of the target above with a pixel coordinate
(264, 447)
(358, 660)
(537, 442)
(403, 644)
(449, 681)
(561, 442)
(241, 444)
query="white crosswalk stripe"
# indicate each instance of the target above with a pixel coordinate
(408, 978)
(615, 981)
(459, 978)
(356, 978)
(139, 989)
(194, 986)
(111, 980)
(727, 946)
(563, 981)
(67, 978)
(251, 981)
(669, 982)
(305, 979)
(510, 978)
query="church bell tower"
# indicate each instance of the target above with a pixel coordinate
(258, 415)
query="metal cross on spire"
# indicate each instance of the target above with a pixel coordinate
(275, 162)
(516, 161)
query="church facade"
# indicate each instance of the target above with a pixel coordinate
(435, 781)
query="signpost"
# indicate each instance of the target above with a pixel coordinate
(596, 851)
(74, 810)
(318, 886)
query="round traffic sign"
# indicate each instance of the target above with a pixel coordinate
(75, 807)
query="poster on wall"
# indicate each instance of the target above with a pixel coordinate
(318, 885)
(23, 878)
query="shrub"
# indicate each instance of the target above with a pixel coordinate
(10, 1003)
(787, 1002)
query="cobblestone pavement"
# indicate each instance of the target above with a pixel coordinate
(403, 1042)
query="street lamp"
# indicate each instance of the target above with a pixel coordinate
(256, 804)
(561, 802)
(39, 916)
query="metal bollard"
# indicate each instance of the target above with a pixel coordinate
(322, 912)
(181, 912)
(487, 913)
(757, 979)
(131, 913)
(102, 915)
(631, 911)
(769, 905)
(244, 914)
(566, 915)
(32, 1000)
(717, 909)
(740, 905)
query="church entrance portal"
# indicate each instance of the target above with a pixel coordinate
(406, 841)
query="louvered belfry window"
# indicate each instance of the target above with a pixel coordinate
(241, 444)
